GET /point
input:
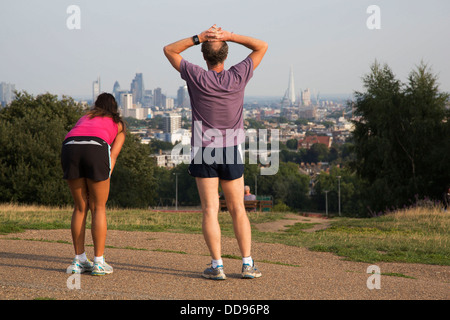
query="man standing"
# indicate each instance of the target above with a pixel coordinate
(217, 98)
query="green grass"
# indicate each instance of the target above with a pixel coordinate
(417, 235)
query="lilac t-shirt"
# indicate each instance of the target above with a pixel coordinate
(217, 101)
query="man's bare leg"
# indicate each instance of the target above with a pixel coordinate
(234, 195)
(209, 197)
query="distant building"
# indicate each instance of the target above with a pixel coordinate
(289, 97)
(168, 160)
(139, 113)
(170, 103)
(120, 97)
(127, 101)
(158, 98)
(308, 141)
(308, 112)
(129, 109)
(6, 93)
(182, 136)
(148, 98)
(306, 98)
(137, 89)
(96, 88)
(172, 122)
(116, 91)
(183, 97)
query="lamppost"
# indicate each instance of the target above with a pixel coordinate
(256, 185)
(176, 191)
(339, 191)
(326, 202)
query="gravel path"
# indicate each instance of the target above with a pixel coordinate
(166, 266)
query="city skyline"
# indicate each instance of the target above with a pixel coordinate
(327, 43)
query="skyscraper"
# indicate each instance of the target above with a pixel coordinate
(95, 89)
(127, 103)
(289, 97)
(183, 97)
(157, 98)
(116, 91)
(306, 98)
(291, 88)
(137, 88)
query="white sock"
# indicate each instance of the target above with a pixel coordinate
(99, 260)
(247, 260)
(216, 263)
(82, 257)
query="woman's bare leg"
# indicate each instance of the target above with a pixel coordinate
(98, 195)
(78, 189)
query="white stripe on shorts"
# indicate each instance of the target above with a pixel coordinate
(83, 142)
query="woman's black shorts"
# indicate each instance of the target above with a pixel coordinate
(86, 157)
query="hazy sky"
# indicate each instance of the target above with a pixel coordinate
(326, 42)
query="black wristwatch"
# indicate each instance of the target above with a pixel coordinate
(196, 40)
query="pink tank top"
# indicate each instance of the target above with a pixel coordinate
(101, 127)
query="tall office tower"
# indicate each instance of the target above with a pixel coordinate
(172, 122)
(6, 93)
(183, 97)
(127, 103)
(137, 88)
(116, 91)
(291, 88)
(170, 103)
(157, 98)
(95, 89)
(148, 99)
(306, 98)
(163, 101)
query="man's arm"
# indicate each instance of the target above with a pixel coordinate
(173, 51)
(258, 47)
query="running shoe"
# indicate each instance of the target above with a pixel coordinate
(79, 267)
(250, 271)
(100, 269)
(214, 273)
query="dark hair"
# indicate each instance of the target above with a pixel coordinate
(213, 55)
(106, 106)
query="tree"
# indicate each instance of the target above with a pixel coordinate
(155, 145)
(350, 187)
(318, 152)
(401, 141)
(133, 183)
(32, 130)
(288, 186)
(292, 144)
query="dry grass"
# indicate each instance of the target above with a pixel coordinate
(419, 235)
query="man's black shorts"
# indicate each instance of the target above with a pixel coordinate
(86, 157)
(223, 163)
